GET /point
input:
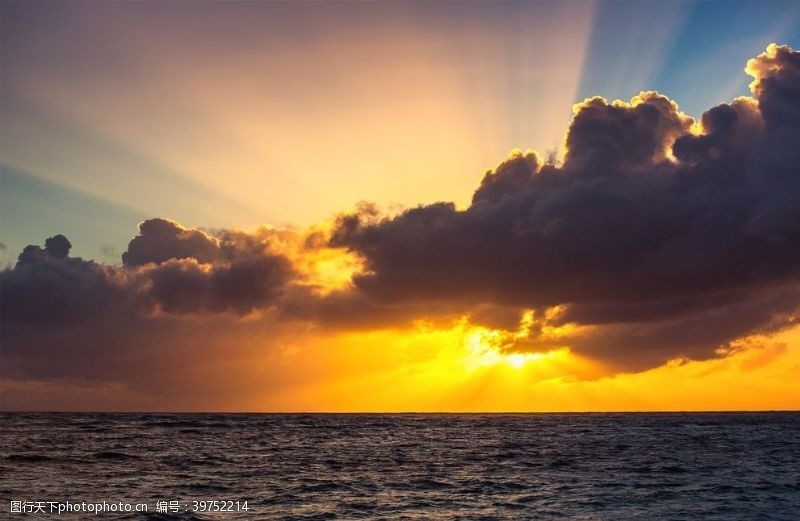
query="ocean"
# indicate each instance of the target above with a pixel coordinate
(401, 466)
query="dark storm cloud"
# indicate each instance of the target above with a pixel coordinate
(646, 223)
(656, 237)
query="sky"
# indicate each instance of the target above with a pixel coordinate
(399, 206)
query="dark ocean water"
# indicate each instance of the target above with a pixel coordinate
(299, 466)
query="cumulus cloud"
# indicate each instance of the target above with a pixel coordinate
(657, 236)
(652, 221)
(161, 239)
(46, 287)
(776, 84)
(166, 269)
(189, 271)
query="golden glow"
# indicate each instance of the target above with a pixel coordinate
(488, 347)
(333, 268)
(455, 370)
(323, 268)
(429, 368)
(483, 349)
(423, 368)
(329, 269)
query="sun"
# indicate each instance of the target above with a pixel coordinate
(495, 347)
(517, 360)
(484, 347)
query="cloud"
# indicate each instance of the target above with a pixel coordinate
(656, 237)
(776, 84)
(161, 239)
(166, 269)
(46, 287)
(190, 271)
(652, 221)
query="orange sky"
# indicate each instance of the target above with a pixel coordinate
(429, 368)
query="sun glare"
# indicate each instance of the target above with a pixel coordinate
(485, 347)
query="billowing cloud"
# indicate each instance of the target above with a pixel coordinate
(195, 272)
(166, 269)
(47, 288)
(651, 223)
(161, 239)
(655, 237)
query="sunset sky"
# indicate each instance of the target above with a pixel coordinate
(375, 206)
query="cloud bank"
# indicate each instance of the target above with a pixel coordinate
(656, 237)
